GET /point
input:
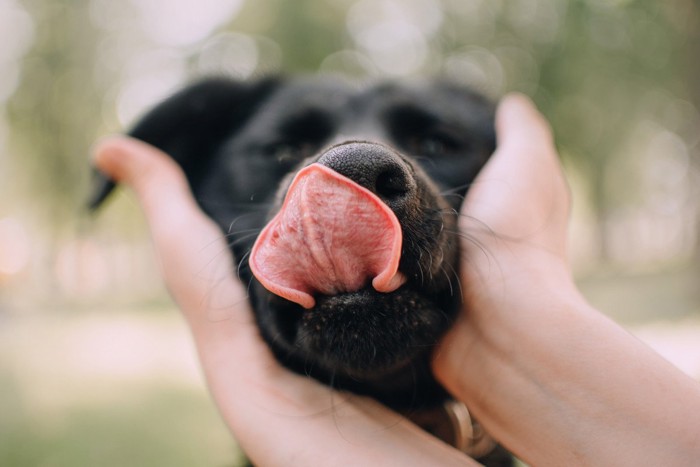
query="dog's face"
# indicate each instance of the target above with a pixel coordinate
(405, 155)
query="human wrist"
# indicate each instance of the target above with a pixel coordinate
(506, 312)
(490, 352)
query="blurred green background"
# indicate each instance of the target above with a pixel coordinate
(96, 367)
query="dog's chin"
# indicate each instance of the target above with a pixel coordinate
(364, 335)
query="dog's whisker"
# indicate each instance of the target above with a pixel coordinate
(242, 239)
(474, 241)
(242, 231)
(423, 159)
(420, 266)
(447, 212)
(481, 224)
(441, 263)
(216, 312)
(459, 281)
(430, 269)
(247, 289)
(334, 406)
(257, 205)
(442, 256)
(242, 216)
(308, 366)
(455, 189)
(240, 265)
(459, 196)
(449, 281)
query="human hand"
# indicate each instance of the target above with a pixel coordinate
(514, 223)
(548, 376)
(278, 417)
(514, 228)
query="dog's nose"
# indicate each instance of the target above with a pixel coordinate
(373, 166)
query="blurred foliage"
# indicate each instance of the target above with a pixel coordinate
(597, 68)
(55, 112)
(618, 79)
(100, 403)
(151, 427)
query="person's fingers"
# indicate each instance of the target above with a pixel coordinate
(156, 179)
(521, 193)
(196, 264)
(519, 124)
(514, 225)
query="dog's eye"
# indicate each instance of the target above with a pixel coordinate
(288, 152)
(433, 145)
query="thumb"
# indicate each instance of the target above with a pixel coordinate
(520, 126)
(521, 193)
(195, 261)
(151, 173)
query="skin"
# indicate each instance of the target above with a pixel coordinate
(548, 376)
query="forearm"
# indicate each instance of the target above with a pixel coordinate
(558, 383)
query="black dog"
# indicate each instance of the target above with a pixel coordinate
(366, 282)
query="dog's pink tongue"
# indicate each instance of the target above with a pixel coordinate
(331, 236)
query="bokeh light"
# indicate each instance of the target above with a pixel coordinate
(184, 22)
(85, 324)
(15, 247)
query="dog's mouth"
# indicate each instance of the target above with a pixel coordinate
(331, 237)
(359, 254)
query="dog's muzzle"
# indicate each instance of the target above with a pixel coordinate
(337, 230)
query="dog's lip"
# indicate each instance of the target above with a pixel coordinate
(388, 281)
(274, 265)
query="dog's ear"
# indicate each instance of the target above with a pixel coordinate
(191, 124)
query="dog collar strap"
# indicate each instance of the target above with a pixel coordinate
(331, 236)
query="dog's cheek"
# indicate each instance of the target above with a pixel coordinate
(430, 242)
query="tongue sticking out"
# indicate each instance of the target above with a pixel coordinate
(331, 236)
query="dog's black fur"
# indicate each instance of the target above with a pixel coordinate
(238, 143)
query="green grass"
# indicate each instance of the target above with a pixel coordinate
(158, 426)
(70, 397)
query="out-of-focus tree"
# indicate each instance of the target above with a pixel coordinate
(612, 75)
(615, 66)
(57, 108)
(615, 77)
(686, 16)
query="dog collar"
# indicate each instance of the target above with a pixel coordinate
(452, 423)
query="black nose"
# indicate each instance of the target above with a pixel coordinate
(373, 166)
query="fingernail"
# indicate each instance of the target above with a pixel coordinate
(109, 154)
(517, 99)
